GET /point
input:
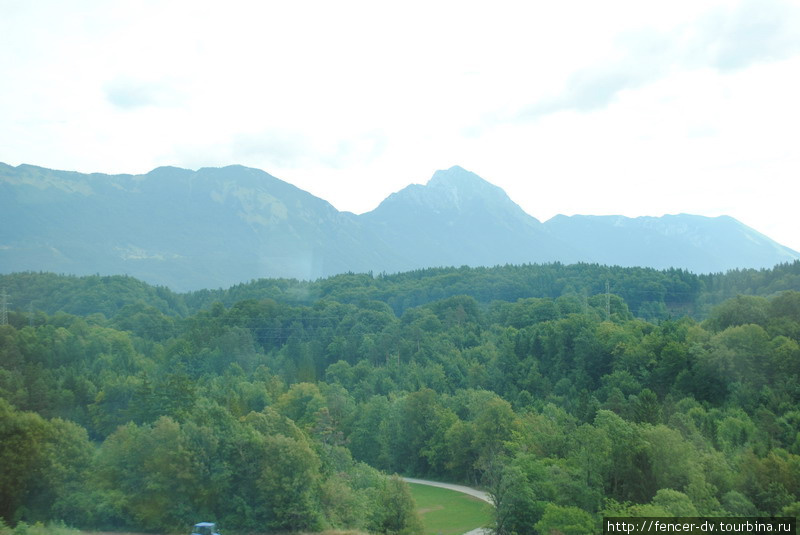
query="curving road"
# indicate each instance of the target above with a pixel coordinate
(458, 488)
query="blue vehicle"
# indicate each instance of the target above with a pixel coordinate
(205, 528)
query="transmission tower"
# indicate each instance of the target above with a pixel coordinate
(4, 308)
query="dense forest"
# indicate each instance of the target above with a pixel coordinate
(568, 392)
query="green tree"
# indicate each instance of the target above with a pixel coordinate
(494, 423)
(419, 433)
(365, 439)
(301, 403)
(395, 509)
(741, 310)
(22, 456)
(628, 476)
(150, 474)
(288, 482)
(63, 487)
(675, 503)
(566, 520)
(516, 506)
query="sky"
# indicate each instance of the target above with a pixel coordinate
(572, 107)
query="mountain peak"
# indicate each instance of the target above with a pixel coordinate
(453, 190)
(454, 174)
(458, 178)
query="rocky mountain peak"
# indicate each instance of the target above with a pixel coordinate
(452, 191)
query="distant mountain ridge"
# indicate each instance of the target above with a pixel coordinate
(216, 227)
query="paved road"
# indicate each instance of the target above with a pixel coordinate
(458, 488)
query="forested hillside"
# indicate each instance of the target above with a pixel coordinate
(276, 405)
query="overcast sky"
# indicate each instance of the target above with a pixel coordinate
(613, 107)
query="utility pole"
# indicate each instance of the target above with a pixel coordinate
(608, 302)
(4, 308)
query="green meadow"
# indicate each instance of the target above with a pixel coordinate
(447, 512)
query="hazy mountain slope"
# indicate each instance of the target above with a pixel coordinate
(699, 244)
(184, 229)
(216, 227)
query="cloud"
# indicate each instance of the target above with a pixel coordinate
(129, 94)
(587, 90)
(286, 148)
(356, 150)
(641, 57)
(755, 31)
(281, 148)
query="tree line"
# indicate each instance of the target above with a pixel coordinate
(649, 293)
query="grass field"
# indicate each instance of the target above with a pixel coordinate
(447, 512)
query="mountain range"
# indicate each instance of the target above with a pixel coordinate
(216, 227)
